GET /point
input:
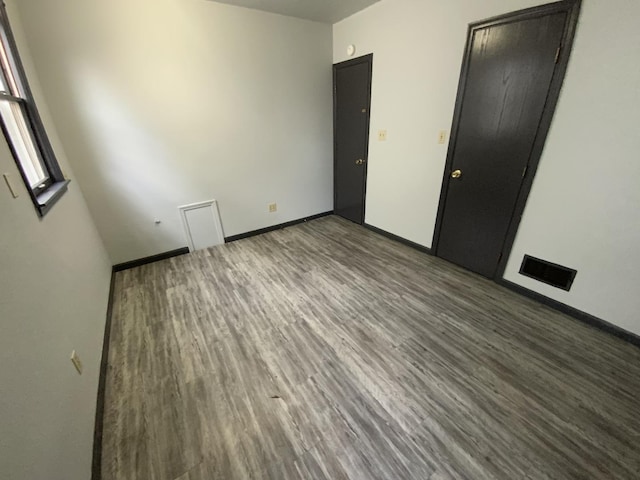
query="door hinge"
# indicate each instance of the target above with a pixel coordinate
(524, 172)
(558, 53)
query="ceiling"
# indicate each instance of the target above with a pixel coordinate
(327, 11)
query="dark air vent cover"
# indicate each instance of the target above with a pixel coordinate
(547, 272)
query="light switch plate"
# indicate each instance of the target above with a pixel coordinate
(442, 137)
(75, 359)
(12, 188)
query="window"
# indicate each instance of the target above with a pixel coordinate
(23, 127)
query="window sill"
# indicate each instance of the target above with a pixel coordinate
(48, 199)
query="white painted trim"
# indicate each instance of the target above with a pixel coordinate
(213, 205)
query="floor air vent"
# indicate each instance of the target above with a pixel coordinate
(547, 272)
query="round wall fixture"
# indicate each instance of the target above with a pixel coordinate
(351, 50)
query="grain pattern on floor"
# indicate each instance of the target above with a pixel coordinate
(325, 351)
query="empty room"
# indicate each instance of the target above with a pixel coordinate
(319, 240)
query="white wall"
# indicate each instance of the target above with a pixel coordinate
(54, 284)
(583, 210)
(161, 103)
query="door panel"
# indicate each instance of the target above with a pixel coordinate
(352, 87)
(509, 75)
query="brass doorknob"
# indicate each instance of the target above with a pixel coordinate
(360, 162)
(456, 174)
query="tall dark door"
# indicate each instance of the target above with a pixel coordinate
(352, 99)
(509, 71)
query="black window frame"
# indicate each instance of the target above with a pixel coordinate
(47, 193)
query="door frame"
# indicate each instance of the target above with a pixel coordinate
(368, 59)
(572, 8)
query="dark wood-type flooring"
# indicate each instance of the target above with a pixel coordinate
(326, 351)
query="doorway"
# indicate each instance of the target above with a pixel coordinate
(511, 77)
(351, 114)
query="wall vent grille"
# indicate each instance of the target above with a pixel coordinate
(547, 272)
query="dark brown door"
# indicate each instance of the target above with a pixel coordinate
(352, 99)
(509, 71)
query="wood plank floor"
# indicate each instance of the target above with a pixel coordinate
(326, 351)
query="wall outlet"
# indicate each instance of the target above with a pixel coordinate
(273, 207)
(382, 135)
(442, 137)
(75, 359)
